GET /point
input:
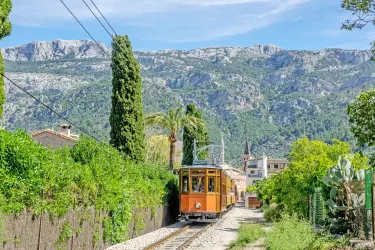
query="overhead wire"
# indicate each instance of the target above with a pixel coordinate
(48, 107)
(120, 47)
(109, 57)
(103, 17)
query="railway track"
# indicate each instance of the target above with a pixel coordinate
(182, 238)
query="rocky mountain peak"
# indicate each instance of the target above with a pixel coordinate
(54, 50)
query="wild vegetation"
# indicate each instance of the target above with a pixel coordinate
(310, 100)
(323, 187)
(199, 134)
(309, 162)
(5, 29)
(364, 11)
(173, 122)
(90, 174)
(290, 232)
(346, 201)
(293, 233)
(247, 233)
(126, 119)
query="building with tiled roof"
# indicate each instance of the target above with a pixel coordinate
(55, 139)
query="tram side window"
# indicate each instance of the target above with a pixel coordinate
(211, 184)
(198, 184)
(185, 184)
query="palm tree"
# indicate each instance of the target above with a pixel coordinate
(173, 121)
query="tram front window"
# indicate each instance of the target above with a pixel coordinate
(185, 184)
(198, 184)
(211, 184)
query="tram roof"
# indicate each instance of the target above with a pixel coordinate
(203, 166)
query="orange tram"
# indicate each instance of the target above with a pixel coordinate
(206, 192)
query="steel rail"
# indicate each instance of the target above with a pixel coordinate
(165, 239)
(189, 241)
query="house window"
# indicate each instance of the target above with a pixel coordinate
(259, 173)
(252, 172)
(275, 166)
(268, 166)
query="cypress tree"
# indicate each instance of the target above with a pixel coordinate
(126, 119)
(200, 134)
(5, 29)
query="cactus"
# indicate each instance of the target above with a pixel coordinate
(347, 197)
(317, 207)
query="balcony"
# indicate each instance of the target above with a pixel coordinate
(254, 167)
(255, 175)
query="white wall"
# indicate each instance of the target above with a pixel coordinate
(261, 164)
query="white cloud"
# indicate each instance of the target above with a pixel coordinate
(178, 20)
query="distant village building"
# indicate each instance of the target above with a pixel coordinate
(239, 178)
(54, 139)
(257, 169)
(275, 166)
(272, 165)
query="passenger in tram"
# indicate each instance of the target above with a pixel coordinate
(196, 188)
(201, 186)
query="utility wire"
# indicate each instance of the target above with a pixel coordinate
(102, 49)
(103, 17)
(84, 28)
(141, 67)
(48, 107)
(101, 46)
(98, 18)
(97, 43)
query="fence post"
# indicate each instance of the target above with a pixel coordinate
(369, 204)
(40, 224)
(74, 208)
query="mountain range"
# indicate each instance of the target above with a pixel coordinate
(270, 95)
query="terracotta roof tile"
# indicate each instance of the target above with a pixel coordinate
(54, 133)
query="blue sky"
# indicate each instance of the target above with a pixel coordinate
(188, 24)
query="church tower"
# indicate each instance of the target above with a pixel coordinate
(246, 154)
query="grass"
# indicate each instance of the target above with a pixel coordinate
(247, 233)
(291, 233)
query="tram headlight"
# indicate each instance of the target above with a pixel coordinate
(197, 205)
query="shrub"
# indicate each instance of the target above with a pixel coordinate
(272, 212)
(291, 233)
(247, 233)
(88, 175)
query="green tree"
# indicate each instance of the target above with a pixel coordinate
(173, 121)
(126, 119)
(200, 134)
(157, 150)
(361, 118)
(5, 29)
(309, 161)
(364, 10)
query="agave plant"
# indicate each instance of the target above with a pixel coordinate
(347, 197)
(317, 207)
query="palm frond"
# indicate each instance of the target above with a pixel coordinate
(173, 121)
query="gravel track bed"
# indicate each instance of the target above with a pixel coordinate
(219, 236)
(143, 241)
(180, 239)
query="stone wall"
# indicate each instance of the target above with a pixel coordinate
(76, 230)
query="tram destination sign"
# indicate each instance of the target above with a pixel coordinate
(200, 162)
